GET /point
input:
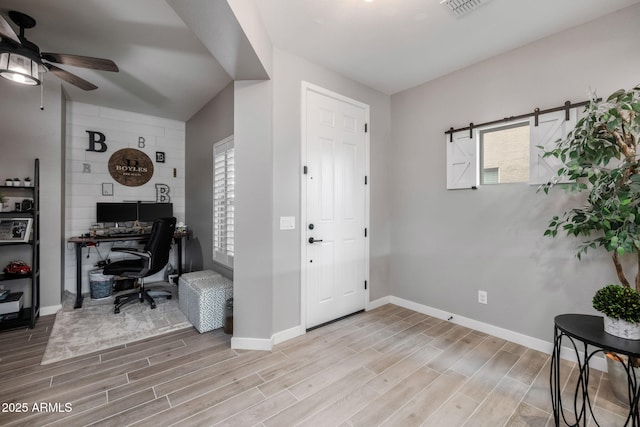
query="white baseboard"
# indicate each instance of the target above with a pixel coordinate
(287, 334)
(525, 340)
(372, 305)
(266, 344)
(52, 309)
(262, 344)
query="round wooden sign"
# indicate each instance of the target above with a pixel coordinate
(130, 167)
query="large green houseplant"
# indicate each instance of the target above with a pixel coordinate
(601, 158)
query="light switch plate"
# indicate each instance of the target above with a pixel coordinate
(287, 223)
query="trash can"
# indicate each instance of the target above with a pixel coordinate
(100, 285)
(228, 317)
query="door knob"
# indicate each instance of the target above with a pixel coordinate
(312, 240)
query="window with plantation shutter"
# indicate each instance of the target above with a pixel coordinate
(223, 197)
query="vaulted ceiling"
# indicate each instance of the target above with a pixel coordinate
(166, 69)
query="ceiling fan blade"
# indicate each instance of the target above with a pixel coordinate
(71, 78)
(6, 32)
(81, 61)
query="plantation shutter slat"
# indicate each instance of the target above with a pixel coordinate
(223, 197)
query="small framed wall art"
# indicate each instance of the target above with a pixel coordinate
(107, 188)
(15, 230)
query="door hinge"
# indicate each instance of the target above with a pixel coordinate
(365, 232)
(304, 170)
(366, 127)
(365, 285)
(365, 180)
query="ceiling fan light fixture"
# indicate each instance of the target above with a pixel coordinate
(19, 69)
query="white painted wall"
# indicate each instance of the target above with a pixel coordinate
(446, 245)
(122, 130)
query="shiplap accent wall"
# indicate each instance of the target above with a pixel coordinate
(83, 189)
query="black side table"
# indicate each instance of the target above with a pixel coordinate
(583, 330)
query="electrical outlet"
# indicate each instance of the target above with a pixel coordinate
(482, 297)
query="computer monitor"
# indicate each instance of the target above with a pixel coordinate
(148, 212)
(116, 212)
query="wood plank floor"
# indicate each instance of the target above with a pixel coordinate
(389, 367)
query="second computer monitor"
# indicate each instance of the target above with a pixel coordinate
(148, 212)
(116, 212)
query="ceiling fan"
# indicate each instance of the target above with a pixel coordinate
(21, 60)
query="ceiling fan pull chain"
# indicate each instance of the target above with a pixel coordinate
(42, 93)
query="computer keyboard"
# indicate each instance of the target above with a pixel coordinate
(122, 233)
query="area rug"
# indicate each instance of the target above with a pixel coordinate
(95, 327)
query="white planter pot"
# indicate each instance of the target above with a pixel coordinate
(622, 328)
(618, 377)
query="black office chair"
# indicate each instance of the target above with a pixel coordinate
(151, 259)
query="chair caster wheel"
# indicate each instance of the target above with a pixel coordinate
(116, 310)
(169, 297)
(153, 306)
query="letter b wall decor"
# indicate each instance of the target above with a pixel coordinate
(96, 138)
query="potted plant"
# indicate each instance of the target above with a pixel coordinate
(2, 200)
(600, 158)
(621, 308)
(27, 182)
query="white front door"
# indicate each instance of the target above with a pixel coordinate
(335, 204)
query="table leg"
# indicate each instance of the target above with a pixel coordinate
(554, 378)
(634, 393)
(583, 386)
(78, 303)
(179, 243)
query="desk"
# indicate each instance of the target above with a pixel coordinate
(589, 330)
(83, 242)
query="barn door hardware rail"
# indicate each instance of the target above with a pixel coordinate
(536, 113)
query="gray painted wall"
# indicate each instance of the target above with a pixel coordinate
(288, 73)
(253, 261)
(267, 143)
(29, 133)
(446, 245)
(211, 124)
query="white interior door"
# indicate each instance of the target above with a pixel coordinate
(335, 250)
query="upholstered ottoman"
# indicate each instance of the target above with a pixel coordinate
(202, 296)
(187, 296)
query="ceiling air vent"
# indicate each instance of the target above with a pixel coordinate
(462, 7)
